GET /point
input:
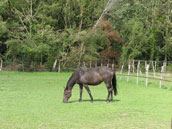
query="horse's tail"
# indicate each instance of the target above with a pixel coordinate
(114, 84)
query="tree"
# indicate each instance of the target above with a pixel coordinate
(142, 27)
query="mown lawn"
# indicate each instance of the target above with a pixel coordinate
(34, 101)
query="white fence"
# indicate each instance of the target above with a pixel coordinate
(154, 70)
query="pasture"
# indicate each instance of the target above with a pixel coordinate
(34, 101)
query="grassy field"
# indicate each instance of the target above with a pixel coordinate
(34, 101)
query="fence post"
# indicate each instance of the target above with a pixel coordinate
(54, 65)
(113, 64)
(1, 65)
(154, 68)
(84, 63)
(101, 63)
(121, 71)
(59, 67)
(138, 69)
(129, 66)
(162, 70)
(164, 64)
(147, 74)
(133, 65)
(90, 63)
(108, 63)
(145, 64)
(96, 64)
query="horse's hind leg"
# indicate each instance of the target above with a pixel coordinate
(81, 88)
(110, 91)
(89, 92)
(111, 95)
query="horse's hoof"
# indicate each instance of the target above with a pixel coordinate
(107, 101)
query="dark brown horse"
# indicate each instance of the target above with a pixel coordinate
(91, 76)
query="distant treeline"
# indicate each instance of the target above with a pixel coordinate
(44, 32)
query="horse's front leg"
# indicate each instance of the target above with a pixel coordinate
(81, 88)
(89, 92)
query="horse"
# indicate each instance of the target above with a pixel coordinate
(91, 76)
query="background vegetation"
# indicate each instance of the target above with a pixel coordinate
(36, 33)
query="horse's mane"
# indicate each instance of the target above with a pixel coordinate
(72, 79)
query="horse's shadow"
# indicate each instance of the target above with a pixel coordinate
(95, 100)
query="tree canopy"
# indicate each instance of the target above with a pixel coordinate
(38, 32)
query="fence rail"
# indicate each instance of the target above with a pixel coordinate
(125, 75)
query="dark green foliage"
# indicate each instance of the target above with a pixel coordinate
(145, 27)
(40, 32)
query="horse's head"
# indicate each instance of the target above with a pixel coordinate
(67, 95)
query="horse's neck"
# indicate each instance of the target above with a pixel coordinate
(72, 81)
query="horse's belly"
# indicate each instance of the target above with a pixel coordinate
(91, 80)
(92, 83)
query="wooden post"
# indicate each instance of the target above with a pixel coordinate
(129, 66)
(121, 72)
(108, 63)
(59, 68)
(145, 64)
(101, 63)
(90, 63)
(154, 69)
(1, 65)
(54, 65)
(162, 70)
(113, 64)
(164, 64)
(96, 64)
(147, 74)
(133, 65)
(84, 63)
(138, 69)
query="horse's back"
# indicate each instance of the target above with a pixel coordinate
(94, 76)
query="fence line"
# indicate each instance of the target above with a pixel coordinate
(140, 67)
(169, 62)
(147, 64)
(125, 75)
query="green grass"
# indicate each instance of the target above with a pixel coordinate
(34, 101)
